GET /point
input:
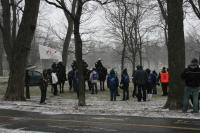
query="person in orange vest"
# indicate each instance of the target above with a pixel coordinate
(164, 80)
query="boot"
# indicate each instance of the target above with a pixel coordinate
(148, 99)
(150, 96)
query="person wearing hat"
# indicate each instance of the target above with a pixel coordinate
(191, 76)
(98, 64)
(102, 73)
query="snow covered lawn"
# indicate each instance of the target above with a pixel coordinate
(96, 106)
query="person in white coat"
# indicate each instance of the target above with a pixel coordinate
(54, 82)
(93, 79)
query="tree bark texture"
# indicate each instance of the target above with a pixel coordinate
(69, 34)
(17, 50)
(1, 54)
(78, 53)
(123, 58)
(67, 42)
(176, 53)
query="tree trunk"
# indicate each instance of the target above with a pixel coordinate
(69, 33)
(133, 62)
(176, 50)
(17, 56)
(140, 53)
(1, 54)
(166, 36)
(15, 90)
(123, 57)
(78, 54)
(67, 42)
(140, 46)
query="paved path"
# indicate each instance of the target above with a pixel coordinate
(94, 124)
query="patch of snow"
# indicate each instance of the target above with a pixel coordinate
(3, 130)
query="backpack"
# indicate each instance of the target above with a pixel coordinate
(54, 78)
(150, 79)
(126, 79)
(112, 82)
(154, 78)
(94, 76)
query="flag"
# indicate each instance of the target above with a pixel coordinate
(49, 53)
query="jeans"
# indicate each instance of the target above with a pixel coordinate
(164, 89)
(194, 92)
(125, 93)
(113, 94)
(55, 92)
(94, 88)
(141, 93)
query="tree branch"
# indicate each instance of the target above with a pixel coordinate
(163, 11)
(195, 9)
(100, 2)
(61, 6)
(19, 2)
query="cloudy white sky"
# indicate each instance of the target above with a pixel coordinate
(56, 18)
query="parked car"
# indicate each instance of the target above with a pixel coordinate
(33, 77)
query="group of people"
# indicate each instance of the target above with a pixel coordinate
(144, 81)
(58, 77)
(91, 76)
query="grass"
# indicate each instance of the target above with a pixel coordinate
(35, 91)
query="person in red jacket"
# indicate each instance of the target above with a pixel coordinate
(164, 80)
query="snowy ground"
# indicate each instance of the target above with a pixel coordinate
(95, 106)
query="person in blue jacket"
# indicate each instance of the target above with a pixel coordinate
(112, 83)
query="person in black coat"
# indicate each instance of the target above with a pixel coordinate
(155, 82)
(70, 79)
(124, 84)
(141, 80)
(191, 76)
(43, 86)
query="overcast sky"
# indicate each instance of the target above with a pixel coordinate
(56, 19)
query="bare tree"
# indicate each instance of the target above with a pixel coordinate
(126, 24)
(117, 19)
(164, 25)
(17, 44)
(78, 41)
(69, 16)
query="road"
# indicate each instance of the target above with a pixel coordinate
(12, 119)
